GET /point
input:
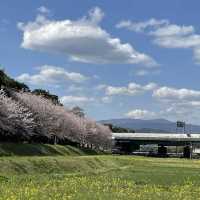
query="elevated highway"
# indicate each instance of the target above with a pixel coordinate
(129, 142)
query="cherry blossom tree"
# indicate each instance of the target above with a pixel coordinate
(14, 118)
(52, 119)
(97, 135)
(34, 116)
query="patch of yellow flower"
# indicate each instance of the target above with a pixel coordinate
(92, 187)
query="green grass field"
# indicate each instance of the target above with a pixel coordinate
(77, 176)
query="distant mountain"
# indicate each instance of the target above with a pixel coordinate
(149, 126)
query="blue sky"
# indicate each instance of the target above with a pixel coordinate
(116, 59)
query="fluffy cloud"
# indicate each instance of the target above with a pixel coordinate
(168, 93)
(51, 75)
(173, 103)
(82, 40)
(172, 30)
(132, 89)
(140, 114)
(189, 41)
(176, 103)
(167, 35)
(75, 100)
(141, 26)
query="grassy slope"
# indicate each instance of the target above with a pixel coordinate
(77, 176)
(42, 158)
(139, 169)
(11, 149)
(98, 177)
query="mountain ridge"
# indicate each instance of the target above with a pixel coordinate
(152, 125)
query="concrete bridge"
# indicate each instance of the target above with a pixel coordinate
(127, 143)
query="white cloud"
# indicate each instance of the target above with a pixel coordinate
(167, 35)
(140, 114)
(50, 75)
(189, 41)
(173, 103)
(173, 30)
(75, 100)
(186, 111)
(110, 90)
(82, 40)
(132, 89)
(182, 104)
(172, 112)
(168, 93)
(141, 26)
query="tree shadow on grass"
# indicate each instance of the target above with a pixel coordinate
(25, 149)
(13, 149)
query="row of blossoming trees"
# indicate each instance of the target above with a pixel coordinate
(28, 117)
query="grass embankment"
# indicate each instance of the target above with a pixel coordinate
(13, 149)
(98, 177)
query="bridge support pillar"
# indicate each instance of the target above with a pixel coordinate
(187, 151)
(162, 151)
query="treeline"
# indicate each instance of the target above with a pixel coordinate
(9, 83)
(6, 81)
(117, 129)
(38, 116)
(32, 118)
